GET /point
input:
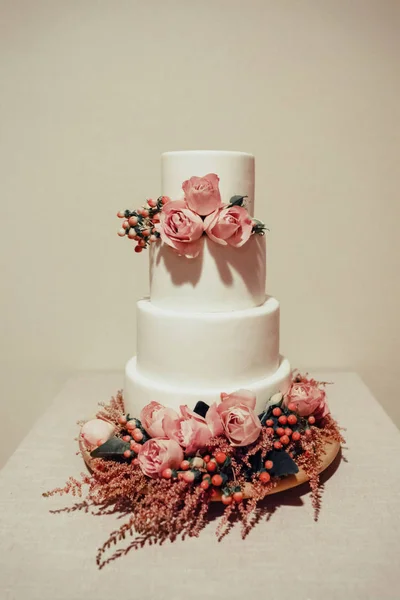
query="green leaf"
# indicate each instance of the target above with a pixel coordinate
(283, 464)
(258, 227)
(237, 200)
(114, 447)
(275, 400)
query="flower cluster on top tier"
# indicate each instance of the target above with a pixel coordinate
(181, 223)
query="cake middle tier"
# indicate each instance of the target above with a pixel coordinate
(208, 349)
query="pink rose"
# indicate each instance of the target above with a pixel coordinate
(230, 225)
(96, 432)
(158, 454)
(152, 416)
(202, 194)
(180, 228)
(241, 424)
(308, 398)
(190, 430)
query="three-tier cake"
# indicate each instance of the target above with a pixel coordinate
(216, 329)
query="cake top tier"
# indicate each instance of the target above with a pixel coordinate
(234, 169)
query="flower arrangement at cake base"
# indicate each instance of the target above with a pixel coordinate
(164, 469)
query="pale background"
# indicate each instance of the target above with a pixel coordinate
(92, 92)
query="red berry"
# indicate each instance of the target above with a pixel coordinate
(268, 464)
(264, 477)
(165, 199)
(167, 473)
(137, 435)
(138, 248)
(237, 496)
(291, 406)
(280, 431)
(205, 484)
(185, 464)
(151, 203)
(269, 423)
(277, 445)
(131, 424)
(269, 431)
(292, 419)
(206, 458)
(135, 461)
(125, 224)
(141, 243)
(188, 476)
(284, 440)
(207, 477)
(146, 232)
(211, 466)
(288, 431)
(282, 420)
(220, 457)
(216, 480)
(156, 218)
(145, 212)
(136, 447)
(127, 453)
(133, 221)
(226, 499)
(311, 420)
(122, 420)
(308, 433)
(127, 438)
(121, 214)
(277, 411)
(132, 234)
(296, 436)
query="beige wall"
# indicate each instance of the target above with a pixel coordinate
(92, 92)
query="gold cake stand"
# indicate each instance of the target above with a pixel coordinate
(332, 449)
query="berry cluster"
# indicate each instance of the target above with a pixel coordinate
(133, 434)
(286, 427)
(210, 472)
(138, 225)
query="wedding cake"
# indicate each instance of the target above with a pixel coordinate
(210, 410)
(215, 328)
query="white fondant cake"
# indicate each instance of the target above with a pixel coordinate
(208, 326)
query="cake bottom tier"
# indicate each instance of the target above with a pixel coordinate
(139, 390)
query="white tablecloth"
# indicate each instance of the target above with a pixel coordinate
(352, 552)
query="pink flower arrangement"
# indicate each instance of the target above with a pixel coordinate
(180, 228)
(308, 398)
(229, 225)
(158, 454)
(152, 417)
(96, 432)
(202, 194)
(182, 223)
(234, 417)
(240, 423)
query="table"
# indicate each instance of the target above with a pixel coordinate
(352, 552)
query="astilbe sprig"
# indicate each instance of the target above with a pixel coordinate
(313, 449)
(113, 410)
